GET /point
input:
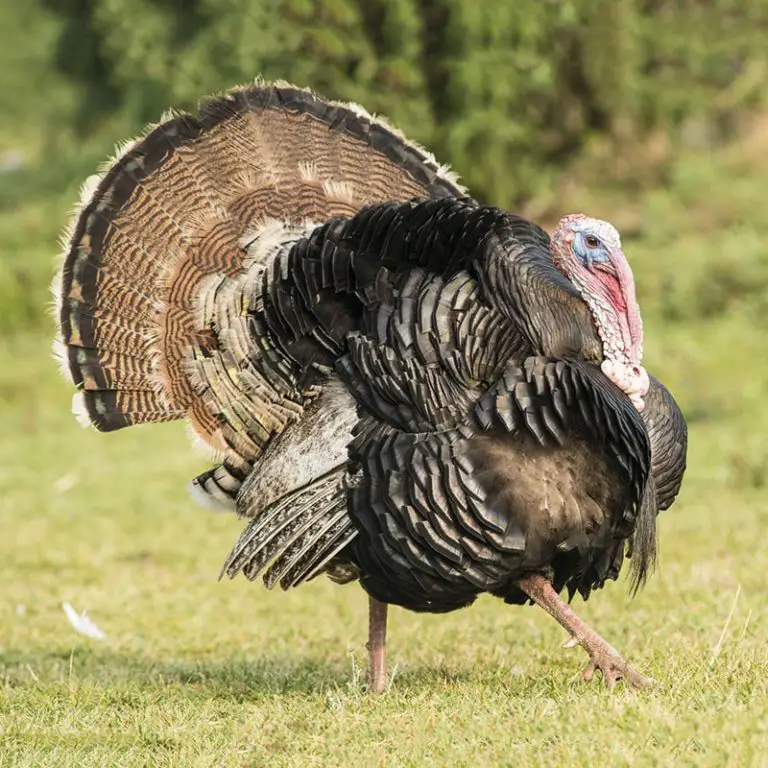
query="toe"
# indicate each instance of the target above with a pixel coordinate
(640, 681)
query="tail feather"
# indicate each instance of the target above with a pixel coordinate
(159, 262)
(217, 488)
(136, 407)
(125, 372)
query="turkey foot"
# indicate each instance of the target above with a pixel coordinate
(612, 665)
(602, 655)
(377, 646)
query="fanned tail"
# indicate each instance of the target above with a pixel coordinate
(164, 265)
(169, 241)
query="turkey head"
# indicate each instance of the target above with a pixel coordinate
(588, 252)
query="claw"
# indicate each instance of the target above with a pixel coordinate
(613, 669)
(602, 656)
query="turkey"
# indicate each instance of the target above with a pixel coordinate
(400, 386)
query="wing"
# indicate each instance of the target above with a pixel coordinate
(296, 497)
(337, 281)
(668, 434)
(446, 514)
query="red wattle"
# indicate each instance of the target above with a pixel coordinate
(611, 282)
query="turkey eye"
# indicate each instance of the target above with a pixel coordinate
(591, 241)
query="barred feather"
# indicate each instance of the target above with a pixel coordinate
(296, 535)
(159, 234)
(398, 383)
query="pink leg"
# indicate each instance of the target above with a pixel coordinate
(377, 646)
(602, 656)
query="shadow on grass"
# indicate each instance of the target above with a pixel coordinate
(235, 679)
(241, 679)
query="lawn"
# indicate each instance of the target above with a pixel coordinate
(196, 672)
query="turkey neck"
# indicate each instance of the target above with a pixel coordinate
(520, 280)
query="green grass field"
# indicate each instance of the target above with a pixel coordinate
(200, 673)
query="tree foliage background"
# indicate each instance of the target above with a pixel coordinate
(508, 91)
(517, 95)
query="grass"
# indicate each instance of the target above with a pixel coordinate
(200, 673)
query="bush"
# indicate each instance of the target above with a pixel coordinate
(515, 94)
(507, 91)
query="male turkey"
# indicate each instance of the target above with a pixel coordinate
(403, 386)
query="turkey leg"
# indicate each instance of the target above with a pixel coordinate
(602, 655)
(377, 646)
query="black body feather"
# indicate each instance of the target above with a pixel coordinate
(401, 385)
(489, 444)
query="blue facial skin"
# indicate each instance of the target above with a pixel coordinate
(589, 249)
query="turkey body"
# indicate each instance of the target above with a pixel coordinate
(480, 452)
(400, 385)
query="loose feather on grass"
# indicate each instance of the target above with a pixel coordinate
(83, 623)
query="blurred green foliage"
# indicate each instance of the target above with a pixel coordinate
(508, 91)
(540, 105)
